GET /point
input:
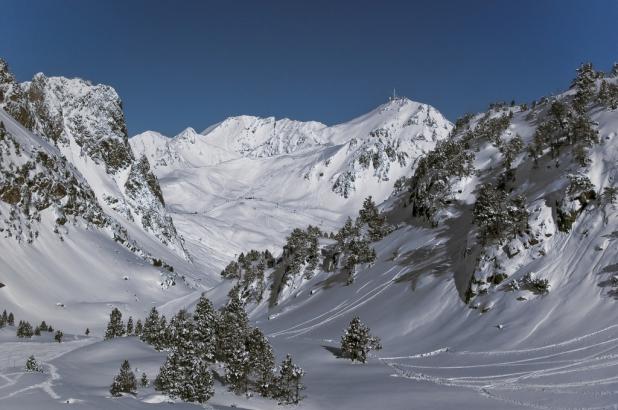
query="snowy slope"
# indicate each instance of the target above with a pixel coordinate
(247, 182)
(61, 256)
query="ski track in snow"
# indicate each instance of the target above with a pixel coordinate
(341, 309)
(15, 354)
(579, 377)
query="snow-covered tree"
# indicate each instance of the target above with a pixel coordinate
(124, 382)
(151, 332)
(11, 319)
(370, 215)
(498, 215)
(205, 319)
(610, 193)
(510, 150)
(185, 376)
(238, 366)
(289, 382)
(43, 326)
(584, 84)
(262, 362)
(130, 326)
(139, 328)
(232, 328)
(357, 341)
(58, 336)
(181, 333)
(144, 380)
(32, 365)
(87, 332)
(24, 329)
(115, 327)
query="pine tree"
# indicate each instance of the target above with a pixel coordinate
(5, 318)
(237, 368)
(24, 329)
(139, 328)
(163, 337)
(181, 332)
(289, 383)
(609, 195)
(262, 362)
(370, 215)
(58, 336)
(32, 365)
(356, 342)
(11, 319)
(115, 327)
(186, 377)
(129, 331)
(124, 382)
(205, 320)
(584, 83)
(151, 330)
(87, 332)
(43, 326)
(144, 380)
(37, 331)
(231, 329)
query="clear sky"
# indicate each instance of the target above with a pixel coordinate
(193, 63)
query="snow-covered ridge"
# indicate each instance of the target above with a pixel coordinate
(86, 123)
(263, 177)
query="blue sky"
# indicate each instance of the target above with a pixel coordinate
(193, 63)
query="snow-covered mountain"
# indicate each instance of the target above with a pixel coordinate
(491, 275)
(86, 123)
(249, 181)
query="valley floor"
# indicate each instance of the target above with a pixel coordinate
(579, 373)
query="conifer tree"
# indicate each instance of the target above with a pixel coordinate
(124, 382)
(11, 319)
(43, 326)
(237, 368)
(186, 377)
(262, 362)
(115, 327)
(5, 317)
(32, 365)
(356, 342)
(289, 383)
(58, 336)
(205, 320)
(162, 339)
(87, 332)
(584, 83)
(144, 380)
(181, 332)
(151, 330)
(139, 328)
(37, 331)
(129, 331)
(231, 329)
(370, 215)
(24, 329)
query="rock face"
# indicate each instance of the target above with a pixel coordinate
(86, 123)
(35, 178)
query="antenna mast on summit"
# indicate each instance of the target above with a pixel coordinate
(394, 94)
